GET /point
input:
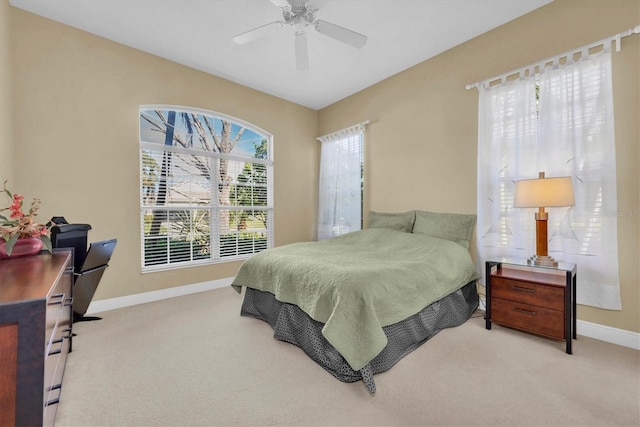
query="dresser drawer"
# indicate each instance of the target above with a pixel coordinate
(551, 297)
(527, 317)
(58, 303)
(55, 304)
(50, 367)
(53, 384)
(58, 350)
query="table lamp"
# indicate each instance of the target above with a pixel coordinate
(540, 193)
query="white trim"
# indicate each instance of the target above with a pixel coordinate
(154, 146)
(599, 332)
(607, 333)
(145, 297)
(215, 114)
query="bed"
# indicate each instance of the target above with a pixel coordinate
(360, 302)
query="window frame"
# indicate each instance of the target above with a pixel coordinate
(213, 207)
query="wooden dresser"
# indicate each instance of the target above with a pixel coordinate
(539, 300)
(35, 336)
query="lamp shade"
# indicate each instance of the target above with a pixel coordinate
(544, 192)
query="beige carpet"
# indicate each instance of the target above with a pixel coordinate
(194, 361)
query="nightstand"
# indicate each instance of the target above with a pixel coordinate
(535, 299)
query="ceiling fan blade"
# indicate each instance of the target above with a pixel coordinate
(302, 54)
(340, 33)
(282, 4)
(258, 32)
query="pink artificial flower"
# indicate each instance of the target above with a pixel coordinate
(16, 213)
(16, 206)
(20, 225)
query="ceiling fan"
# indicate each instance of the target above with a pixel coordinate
(299, 14)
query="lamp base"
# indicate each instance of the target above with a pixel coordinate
(546, 261)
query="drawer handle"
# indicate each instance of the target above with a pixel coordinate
(521, 289)
(53, 402)
(522, 310)
(54, 352)
(68, 302)
(59, 298)
(59, 349)
(57, 399)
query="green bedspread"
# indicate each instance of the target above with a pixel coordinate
(359, 282)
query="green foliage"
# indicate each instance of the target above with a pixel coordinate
(192, 226)
(251, 189)
(150, 175)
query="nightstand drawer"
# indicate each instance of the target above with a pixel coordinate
(550, 297)
(528, 317)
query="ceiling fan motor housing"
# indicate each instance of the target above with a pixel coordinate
(298, 15)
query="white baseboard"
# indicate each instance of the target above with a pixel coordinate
(609, 334)
(587, 329)
(135, 299)
(599, 332)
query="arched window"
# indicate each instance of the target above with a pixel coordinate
(206, 188)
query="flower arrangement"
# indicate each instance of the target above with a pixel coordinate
(20, 225)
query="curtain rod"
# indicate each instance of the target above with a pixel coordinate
(556, 58)
(350, 128)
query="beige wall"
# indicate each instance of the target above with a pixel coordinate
(421, 144)
(6, 122)
(76, 132)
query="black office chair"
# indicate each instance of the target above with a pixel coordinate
(87, 280)
(89, 265)
(74, 236)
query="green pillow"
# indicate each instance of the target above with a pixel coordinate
(394, 221)
(455, 227)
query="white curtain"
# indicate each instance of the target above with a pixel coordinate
(340, 192)
(567, 131)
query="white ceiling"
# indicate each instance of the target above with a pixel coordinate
(197, 33)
